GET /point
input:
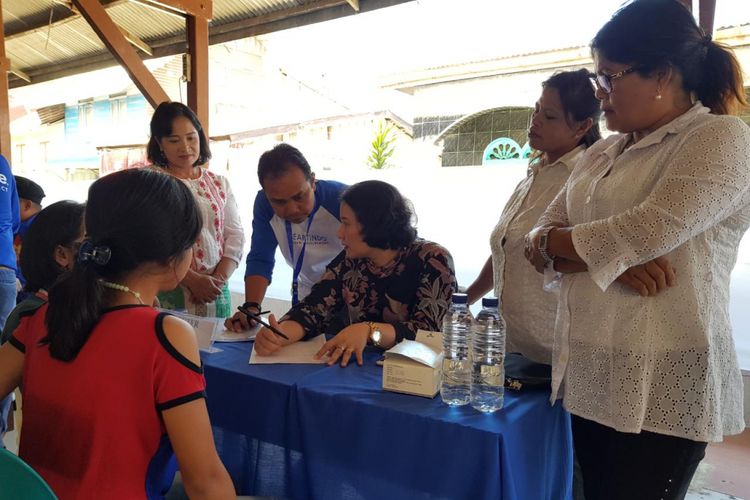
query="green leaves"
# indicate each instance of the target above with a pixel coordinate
(382, 147)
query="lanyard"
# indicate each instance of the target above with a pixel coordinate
(298, 265)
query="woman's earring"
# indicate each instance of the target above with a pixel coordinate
(658, 97)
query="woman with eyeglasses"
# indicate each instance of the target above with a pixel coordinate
(651, 380)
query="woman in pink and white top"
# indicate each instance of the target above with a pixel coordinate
(178, 146)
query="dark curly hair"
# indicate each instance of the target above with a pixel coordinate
(384, 214)
(161, 127)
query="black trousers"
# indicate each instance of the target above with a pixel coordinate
(624, 466)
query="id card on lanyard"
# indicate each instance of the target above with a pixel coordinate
(298, 264)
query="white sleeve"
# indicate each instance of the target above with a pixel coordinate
(234, 234)
(557, 212)
(705, 182)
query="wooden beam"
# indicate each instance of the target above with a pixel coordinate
(706, 13)
(197, 8)
(20, 74)
(137, 42)
(354, 4)
(121, 49)
(197, 87)
(5, 144)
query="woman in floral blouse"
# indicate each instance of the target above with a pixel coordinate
(178, 146)
(387, 281)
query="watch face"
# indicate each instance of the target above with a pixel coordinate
(376, 337)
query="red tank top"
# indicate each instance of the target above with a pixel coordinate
(92, 427)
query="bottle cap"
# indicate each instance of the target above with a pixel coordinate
(460, 298)
(490, 302)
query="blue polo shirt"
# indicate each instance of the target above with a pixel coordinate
(269, 232)
(10, 217)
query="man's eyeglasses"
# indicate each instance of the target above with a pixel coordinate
(604, 81)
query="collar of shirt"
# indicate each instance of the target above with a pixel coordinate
(658, 135)
(568, 160)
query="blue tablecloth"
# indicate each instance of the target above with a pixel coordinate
(312, 431)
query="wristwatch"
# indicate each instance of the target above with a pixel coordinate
(375, 336)
(543, 242)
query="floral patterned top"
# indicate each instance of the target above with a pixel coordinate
(412, 292)
(221, 236)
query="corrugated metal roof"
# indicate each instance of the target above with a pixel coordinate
(51, 114)
(43, 50)
(20, 14)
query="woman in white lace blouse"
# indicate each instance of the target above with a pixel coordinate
(564, 123)
(650, 380)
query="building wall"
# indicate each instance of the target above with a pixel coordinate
(464, 144)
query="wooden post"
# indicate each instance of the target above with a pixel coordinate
(122, 51)
(706, 15)
(197, 87)
(5, 145)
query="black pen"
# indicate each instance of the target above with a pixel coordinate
(260, 320)
(235, 321)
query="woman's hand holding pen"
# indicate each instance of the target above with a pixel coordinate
(267, 342)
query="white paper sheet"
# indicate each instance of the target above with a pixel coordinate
(224, 335)
(297, 353)
(208, 328)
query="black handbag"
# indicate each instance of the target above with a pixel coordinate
(522, 374)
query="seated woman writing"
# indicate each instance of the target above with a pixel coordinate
(390, 282)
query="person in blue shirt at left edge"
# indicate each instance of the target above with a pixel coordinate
(30, 195)
(297, 213)
(10, 220)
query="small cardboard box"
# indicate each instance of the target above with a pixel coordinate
(412, 368)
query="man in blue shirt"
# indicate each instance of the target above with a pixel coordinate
(30, 195)
(297, 213)
(9, 221)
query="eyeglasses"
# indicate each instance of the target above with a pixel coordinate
(603, 81)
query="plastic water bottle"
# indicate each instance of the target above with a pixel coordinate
(488, 356)
(455, 389)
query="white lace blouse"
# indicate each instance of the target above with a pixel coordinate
(528, 310)
(667, 363)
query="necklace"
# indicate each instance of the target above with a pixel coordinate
(122, 288)
(191, 176)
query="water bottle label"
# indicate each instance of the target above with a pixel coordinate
(491, 374)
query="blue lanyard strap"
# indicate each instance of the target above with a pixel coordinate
(298, 264)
